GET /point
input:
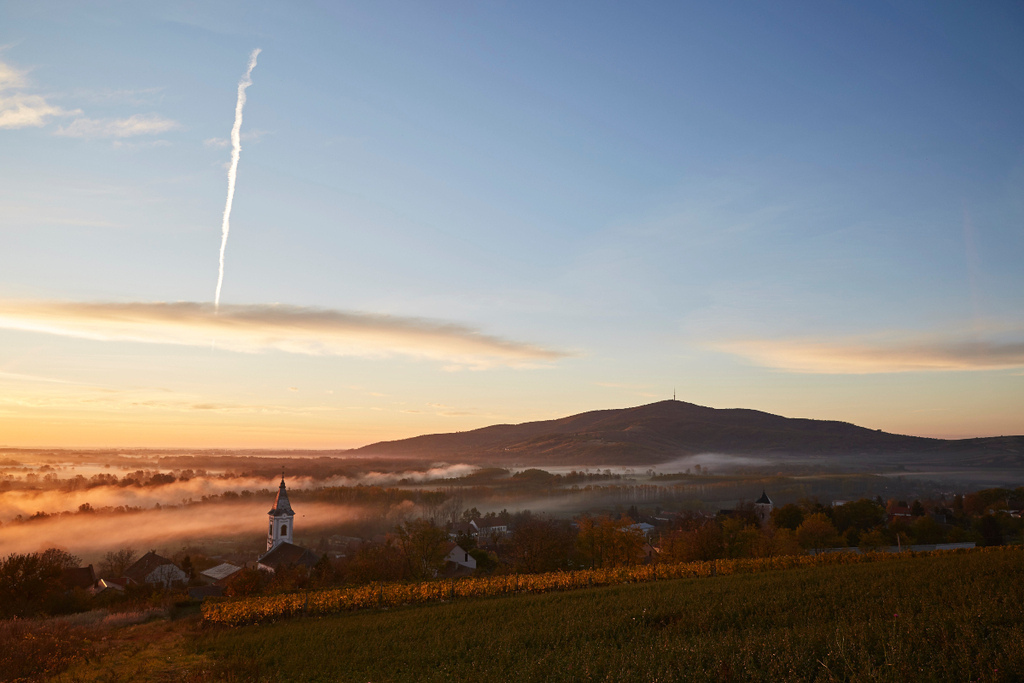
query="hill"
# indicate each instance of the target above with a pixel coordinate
(667, 430)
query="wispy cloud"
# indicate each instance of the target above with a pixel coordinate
(272, 327)
(134, 96)
(922, 354)
(139, 124)
(23, 110)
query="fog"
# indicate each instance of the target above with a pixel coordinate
(90, 536)
(28, 502)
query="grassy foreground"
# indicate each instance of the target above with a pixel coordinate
(956, 617)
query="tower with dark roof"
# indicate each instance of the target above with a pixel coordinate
(763, 507)
(281, 519)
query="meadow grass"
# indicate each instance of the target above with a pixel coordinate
(950, 617)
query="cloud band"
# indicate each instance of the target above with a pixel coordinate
(927, 355)
(271, 327)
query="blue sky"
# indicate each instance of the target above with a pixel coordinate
(813, 210)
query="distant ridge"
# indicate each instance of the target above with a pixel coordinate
(662, 431)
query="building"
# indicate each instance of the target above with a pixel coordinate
(287, 555)
(459, 556)
(642, 528)
(281, 552)
(218, 575)
(281, 519)
(763, 508)
(78, 577)
(488, 531)
(156, 571)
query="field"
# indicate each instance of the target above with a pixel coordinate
(952, 617)
(271, 608)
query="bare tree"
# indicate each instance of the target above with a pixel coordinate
(116, 562)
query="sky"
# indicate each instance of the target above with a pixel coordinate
(450, 215)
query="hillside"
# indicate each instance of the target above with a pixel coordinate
(666, 430)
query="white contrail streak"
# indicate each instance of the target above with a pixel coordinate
(236, 149)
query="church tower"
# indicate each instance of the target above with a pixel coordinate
(762, 508)
(281, 518)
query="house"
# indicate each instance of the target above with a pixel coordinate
(156, 571)
(459, 556)
(489, 530)
(899, 512)
(642, 527)
(218, 575)
(78, 577)
(461, 529)
(108, 587)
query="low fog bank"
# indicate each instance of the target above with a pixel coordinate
(56, 495)
(91, 536)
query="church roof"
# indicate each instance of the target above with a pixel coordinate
(764, 499)
(286, 554)
(281, 505)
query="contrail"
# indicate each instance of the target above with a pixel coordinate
(236, 149)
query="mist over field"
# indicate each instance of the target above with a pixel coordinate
(91, 535)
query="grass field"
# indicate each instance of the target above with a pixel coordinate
(943, 618)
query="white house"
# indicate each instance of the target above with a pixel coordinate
(460, 556)
(489, 531)
(156, 570)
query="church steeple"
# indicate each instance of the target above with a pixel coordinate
(281, 518)
(763, 508)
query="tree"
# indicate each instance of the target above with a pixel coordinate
(607, 542)
(700, 542)
(27, 582)
(739, 537)
(540, 546)
(246, 582)
(323, 573)
(927, 530)
(988, 527)
(423, 548)
(789, 516)
(485, 562)
(377, 562)
(775, 542)
(116, 562)
(816, 532)
(862, 515)
(872, 540)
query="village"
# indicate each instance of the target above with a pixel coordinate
(53, 581)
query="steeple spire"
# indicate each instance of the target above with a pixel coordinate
(281, 518)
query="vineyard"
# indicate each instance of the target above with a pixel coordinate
(255, 610)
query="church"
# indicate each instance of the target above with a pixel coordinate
(281, 552)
